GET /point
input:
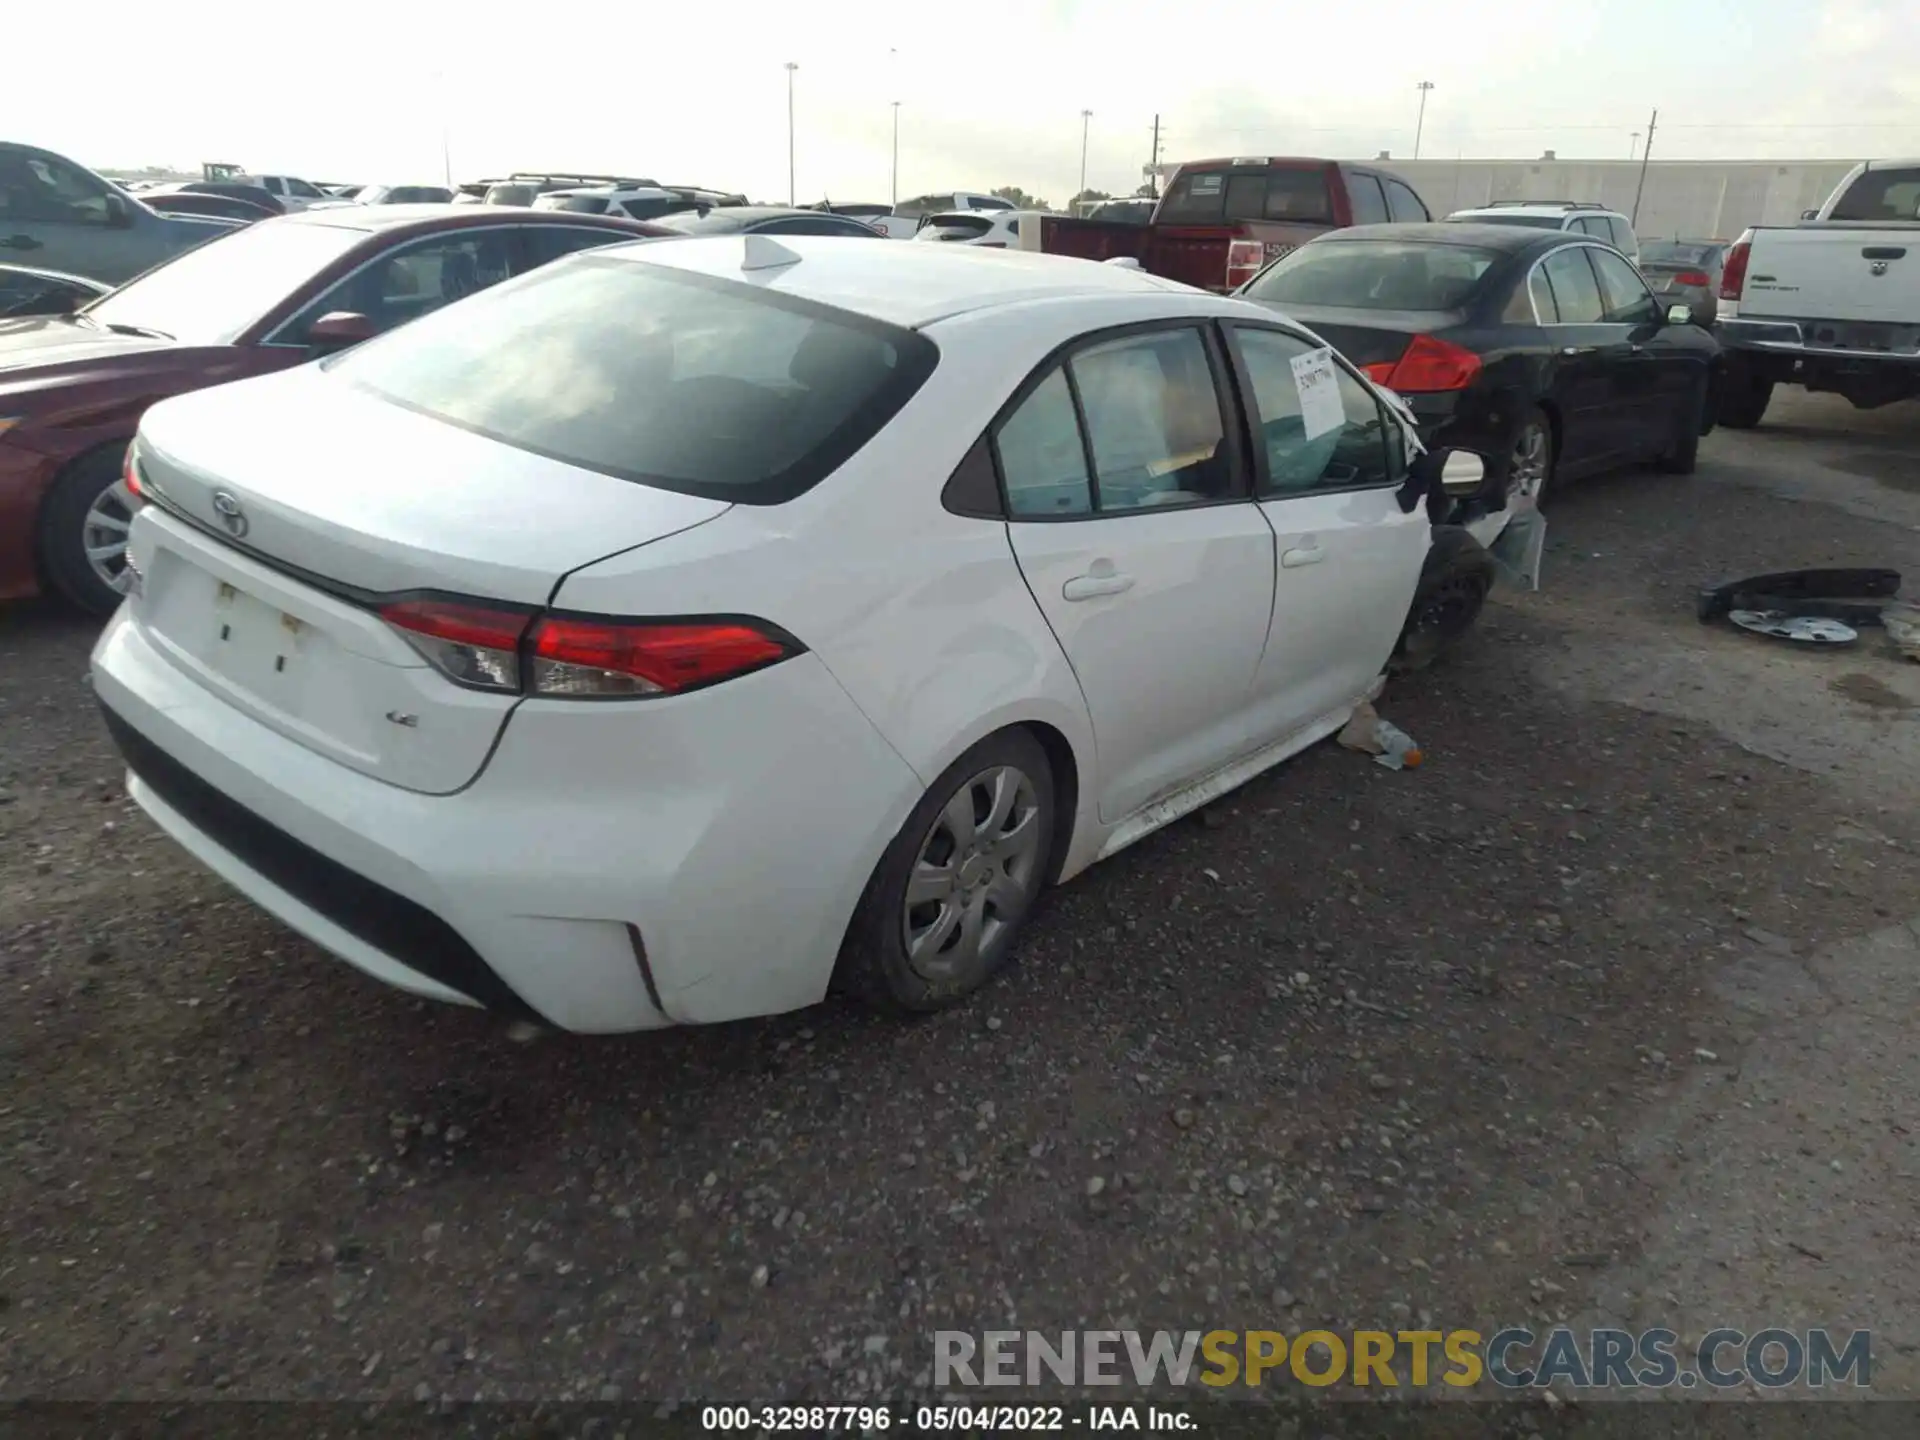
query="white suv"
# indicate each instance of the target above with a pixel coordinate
(1582, 217)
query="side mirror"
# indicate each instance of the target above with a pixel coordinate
(1464, 472)
(119, 212)
(1122, 262)
(338, 329)
(1680, 315)
(1809, 214)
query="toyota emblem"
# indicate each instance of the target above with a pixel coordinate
(1879, 267)
(230, 513)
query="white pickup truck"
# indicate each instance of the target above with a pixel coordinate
(1832, 303)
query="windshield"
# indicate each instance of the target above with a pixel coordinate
(574, 204)
(1284, 196)
(1374, 275)
(709, 387)
(209, 295)
(1532, 222)
(1656, 252)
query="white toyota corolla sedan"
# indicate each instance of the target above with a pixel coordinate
(668, 634)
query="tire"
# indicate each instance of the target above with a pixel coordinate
(1453, 588)
(1530, 463)
(1683, 455)
(1744, 401)
(87, 508)
(877, 962)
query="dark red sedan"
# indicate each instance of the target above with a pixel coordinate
(267, 297)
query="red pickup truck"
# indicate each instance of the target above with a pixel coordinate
(1220, 221)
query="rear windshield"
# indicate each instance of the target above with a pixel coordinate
(1891, 194)
(1216, 197)
(574, 204)
(510, 194)
(1374, 275)
(1495, 217)
(1657, 252)
(689, 383)
(953, 227)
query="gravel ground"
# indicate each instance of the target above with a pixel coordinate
(1351, 1048)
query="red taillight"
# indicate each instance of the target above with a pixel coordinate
(1428, 365)
(1696, 278)
(493, 647)
(1244, 259)
(472, 644)
(1733, 278)
(587, 658)
(130, 474)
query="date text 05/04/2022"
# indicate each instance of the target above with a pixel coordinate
(961, 1419)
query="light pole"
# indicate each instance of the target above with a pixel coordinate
(896, 154)
(1421, 124)
(1086, 118)
(791, 67)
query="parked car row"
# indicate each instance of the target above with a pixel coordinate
(550, 566)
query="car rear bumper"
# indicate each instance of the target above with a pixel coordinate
(615, 867)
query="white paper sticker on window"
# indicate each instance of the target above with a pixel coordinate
(1314, 378)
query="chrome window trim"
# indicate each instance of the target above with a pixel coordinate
(1583, 242)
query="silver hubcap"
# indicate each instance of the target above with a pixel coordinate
(974, 873)
(1528, 475)
(103, 534)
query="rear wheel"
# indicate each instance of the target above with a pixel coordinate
(83, 531)
(942, 909)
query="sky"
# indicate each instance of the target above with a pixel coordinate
(991, 91)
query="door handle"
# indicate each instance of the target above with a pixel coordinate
(1089, 587)
(1305, 555)
(22, 242)
(1576, 349)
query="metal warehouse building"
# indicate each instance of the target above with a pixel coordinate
(1693, 199)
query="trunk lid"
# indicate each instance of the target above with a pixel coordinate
(1824, 271)
(287, 506)
(340, 484)
(1371, 337)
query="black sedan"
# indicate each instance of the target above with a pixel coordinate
(765, 220)
(1543, 346)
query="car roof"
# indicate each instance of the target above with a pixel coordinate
(1453, 232)
(906, 285)
(1539, 207)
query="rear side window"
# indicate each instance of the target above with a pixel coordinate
(1576, 294)
(1153, 427)
(705, 386)
(1403, 204)
(1369, 205)
(1374, 275)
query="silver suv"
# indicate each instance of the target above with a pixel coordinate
(56, 215)
(1583, 217)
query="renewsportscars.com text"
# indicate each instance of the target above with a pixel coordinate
(1513, 1358)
